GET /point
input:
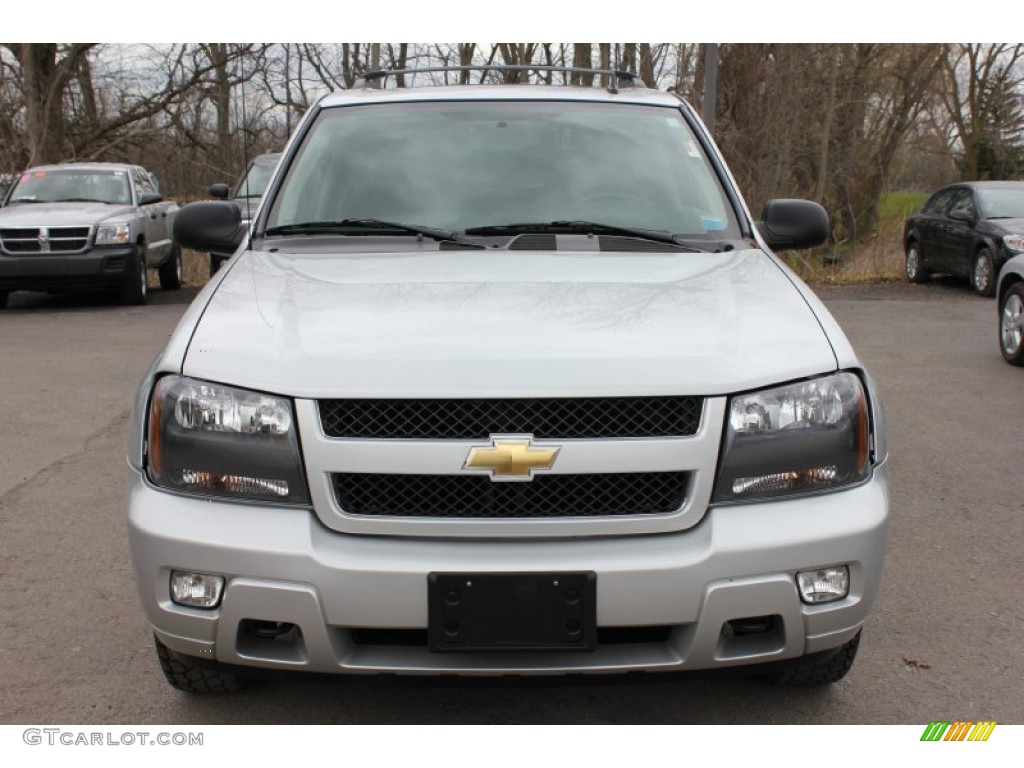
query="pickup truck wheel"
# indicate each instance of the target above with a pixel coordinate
(216, 262)
(133, 285)
(820, 669)
(191, 677)
(171, 271)
(916, 273)
(983, 273)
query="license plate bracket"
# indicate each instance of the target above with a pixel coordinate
(512, 611)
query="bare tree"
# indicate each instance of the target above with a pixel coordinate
(982, 100)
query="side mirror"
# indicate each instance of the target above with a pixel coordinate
(149, 199)
(209, 227)
(790, 224)
(219, 191)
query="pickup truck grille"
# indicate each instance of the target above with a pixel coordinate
(563, 418)
(44, 240)
(546, 496)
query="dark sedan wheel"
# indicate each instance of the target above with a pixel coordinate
(916, 273)
(1011, 325)
(983, 273)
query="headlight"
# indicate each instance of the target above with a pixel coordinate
(1014, 243)
(213, 440)
(796, 439)
(113, 234)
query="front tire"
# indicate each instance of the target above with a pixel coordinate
(133, 285)
(983, 273)
(171, 271)
(819, 669)
(191, 677)
(1011, 325)
(914, 266)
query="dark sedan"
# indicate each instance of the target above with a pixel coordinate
(969, 230)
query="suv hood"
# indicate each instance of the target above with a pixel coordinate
(59, 214)
(477, 324)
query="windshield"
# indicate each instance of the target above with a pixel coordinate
(1002, 203)
(72, 185)
(461, 165)
(254, 182)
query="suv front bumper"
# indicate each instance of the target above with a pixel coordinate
(283, 565)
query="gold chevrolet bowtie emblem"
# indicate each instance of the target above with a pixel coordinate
(511, 458)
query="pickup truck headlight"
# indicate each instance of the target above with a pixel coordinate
(796, 439)
(113, 233)
(213, 440)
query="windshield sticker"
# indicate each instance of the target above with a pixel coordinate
(691, 148)
(39, 174)
(712, 224)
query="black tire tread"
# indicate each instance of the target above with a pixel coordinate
(130, 293)
(168, 271)
(818, 671)
(194, 678)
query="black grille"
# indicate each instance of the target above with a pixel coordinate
(563, 418)
(546, 496)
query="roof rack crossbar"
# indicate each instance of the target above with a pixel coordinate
(613, 75)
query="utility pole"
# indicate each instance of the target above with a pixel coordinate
(710, 84)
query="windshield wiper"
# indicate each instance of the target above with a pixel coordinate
(346, 225)
(581, 227)
(80, 200)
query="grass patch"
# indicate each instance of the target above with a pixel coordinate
(879, 258)
(195, 266)
(894, 207)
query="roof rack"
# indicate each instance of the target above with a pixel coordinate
(377, 77)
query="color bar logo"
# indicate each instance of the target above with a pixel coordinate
(958, 730)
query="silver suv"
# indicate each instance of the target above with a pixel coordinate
(506, 380)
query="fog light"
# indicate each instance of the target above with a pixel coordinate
(824, 585)
(196, 590)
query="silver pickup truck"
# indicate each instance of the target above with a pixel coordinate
(87, 226)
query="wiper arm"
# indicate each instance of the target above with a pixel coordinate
(337, 227)
(582, 227)
(79, 200)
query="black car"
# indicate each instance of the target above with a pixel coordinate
(969, 230)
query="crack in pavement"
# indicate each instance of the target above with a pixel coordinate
(119, 422)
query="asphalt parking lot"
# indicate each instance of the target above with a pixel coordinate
(943, 642)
